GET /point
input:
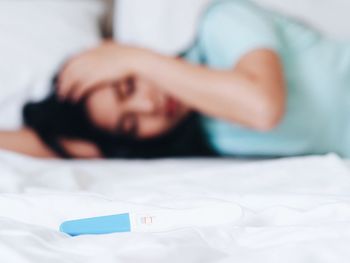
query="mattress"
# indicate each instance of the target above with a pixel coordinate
(295, 210)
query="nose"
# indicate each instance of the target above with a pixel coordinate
(143, 105)
(145, 100)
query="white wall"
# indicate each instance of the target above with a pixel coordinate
(330, 16)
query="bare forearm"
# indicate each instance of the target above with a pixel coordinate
(227, 94)
(26, 142)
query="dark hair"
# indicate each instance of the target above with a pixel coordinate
(53, 120)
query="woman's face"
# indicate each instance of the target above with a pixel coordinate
(134, 107)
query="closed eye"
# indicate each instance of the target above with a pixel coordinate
(125, 89)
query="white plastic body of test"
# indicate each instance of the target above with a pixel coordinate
(171, 219)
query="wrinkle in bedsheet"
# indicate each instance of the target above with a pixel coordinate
(295, 210)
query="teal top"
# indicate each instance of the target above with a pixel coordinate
(317, 72)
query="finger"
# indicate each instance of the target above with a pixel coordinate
(69, 77)
(63, 76)
(65, 83)
(69, 82)
(77, 94)
(83, 88)
(71, 96)
(86, 87)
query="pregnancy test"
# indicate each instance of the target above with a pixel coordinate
(154, 221)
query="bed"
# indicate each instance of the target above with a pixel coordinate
(294, 210)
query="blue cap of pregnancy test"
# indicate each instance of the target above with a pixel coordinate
(97, 225)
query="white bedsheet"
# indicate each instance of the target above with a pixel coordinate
(295, 210)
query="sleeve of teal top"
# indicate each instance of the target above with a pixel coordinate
(230, 29)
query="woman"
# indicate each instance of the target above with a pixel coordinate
(262, 84)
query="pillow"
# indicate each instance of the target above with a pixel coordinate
(37, 36)
(169, 26)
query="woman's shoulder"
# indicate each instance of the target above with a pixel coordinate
(231, 28)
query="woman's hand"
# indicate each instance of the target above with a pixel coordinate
(107, 63)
